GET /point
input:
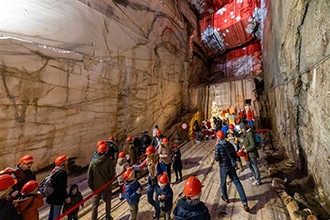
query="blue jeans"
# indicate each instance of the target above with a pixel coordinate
(253, 165)
(55, 211)
(231, 172)
(197, 135)
(152, 184)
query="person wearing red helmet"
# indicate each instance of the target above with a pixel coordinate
(190, 206)
(121, 165)
(226, 155)
(177, 163)
(30, 201)
(165, 152)
(132, 192)
(130, 150)
(164, 196)
(155, 169)
(59, 183)
(157, 140)
(100, 171)
(7, 209)
(233, 138)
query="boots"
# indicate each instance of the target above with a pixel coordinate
(240, 166)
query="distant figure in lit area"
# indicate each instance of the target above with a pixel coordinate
(7, 209)
(75, 197)
(30, 201)
(196, 130)
(190, 207)
(59, 182)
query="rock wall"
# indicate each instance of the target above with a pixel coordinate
(75, 72)
(296, 53)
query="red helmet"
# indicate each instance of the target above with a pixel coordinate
(175, 145)
(100, 142)
(6, 171)
(127, 174)
(163, 179)
(220, 134)
(231, 126)
(150, 150)
(128, 138)
(6, 181)
(240, 153)
(158, 132)
(60, 160)
(121, 155)
(111, 138)
(25, 159)
(29, 187)
(192, 187)
(164, 141)
(102, 148)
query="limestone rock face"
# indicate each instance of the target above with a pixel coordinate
(297, 76)
(75, 72)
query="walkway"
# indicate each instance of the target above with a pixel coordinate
(198, 160)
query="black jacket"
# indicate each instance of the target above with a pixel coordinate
(222, 151)
(177, 164)
(8, 211)
(59, 182)
(185, 210)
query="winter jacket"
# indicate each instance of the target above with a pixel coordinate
(28, 206)
(121, 165)
(249, 144)
(27, 176)
(187, 210)
(222, 152)
(59, 182)
(130, 150)
(8, 211)
(166, 204)
(177, 164)
(100, 171)
(75, 199)
(130, 192)
(165, 153)
(112, 150)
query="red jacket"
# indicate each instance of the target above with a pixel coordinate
(28, 206)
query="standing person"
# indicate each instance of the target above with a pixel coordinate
(177, 163)
(112, 150)
(59, 183)
(30, 201)
(154, 130)
(100, 171)
(121, 166)
(190, 207)
(75, 197)
(252, 151)
(164, 195)
(196, 130)
(146, 141)
(132, 193)
(157, 140)
(233, 138)
(165, 156)
(226, 155)
(7, 209)
(155, 169)
(130, 150)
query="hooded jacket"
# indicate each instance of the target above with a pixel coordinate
(130, 192)
(168, 201)
(100, 171)
(122, 165)
(28, 206)
(187, 210)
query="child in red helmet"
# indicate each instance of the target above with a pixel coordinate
(30, 201)
(132, 192)
(190, 206)
(122, 165)
(164, 196)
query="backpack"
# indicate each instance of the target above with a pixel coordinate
(45, 187)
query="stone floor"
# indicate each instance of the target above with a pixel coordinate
(198, 160)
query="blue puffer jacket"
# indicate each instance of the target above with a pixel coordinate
(221, 156)
(130, 192)
(168, 201)
(186, 210)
